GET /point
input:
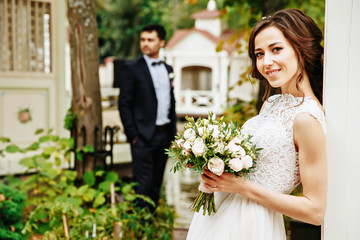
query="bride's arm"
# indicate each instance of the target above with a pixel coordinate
(310, 141)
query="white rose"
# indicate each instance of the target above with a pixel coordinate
(180, 142)
(215, 130)
(247, 161)
(189, 133)
(201, 131)
(216, 166)
(235, 149)
(198, 147)
(187, 145)
(236, 164)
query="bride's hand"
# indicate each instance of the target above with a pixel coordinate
(226, 182)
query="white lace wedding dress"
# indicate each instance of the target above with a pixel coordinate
(239, 218)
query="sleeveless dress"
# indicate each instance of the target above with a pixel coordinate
(277, 169)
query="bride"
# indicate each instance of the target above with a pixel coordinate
(286, 53)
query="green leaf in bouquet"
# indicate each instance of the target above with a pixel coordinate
(190, 119)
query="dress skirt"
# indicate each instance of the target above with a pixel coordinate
(237, 218)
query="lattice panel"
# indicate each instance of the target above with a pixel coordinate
(25, 36)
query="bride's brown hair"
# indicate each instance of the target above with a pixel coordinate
(304, 36)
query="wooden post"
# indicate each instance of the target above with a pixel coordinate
(117, 230)
(66, 226)
(112, 197)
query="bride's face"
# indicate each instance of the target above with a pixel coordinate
(276, 59)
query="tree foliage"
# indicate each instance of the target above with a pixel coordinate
(120, 21)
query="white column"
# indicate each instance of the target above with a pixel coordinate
(342, 96)
(224, 79)
(64, 101)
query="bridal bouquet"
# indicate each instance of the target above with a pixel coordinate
(210, 143)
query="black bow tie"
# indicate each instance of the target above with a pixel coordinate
(157, 63)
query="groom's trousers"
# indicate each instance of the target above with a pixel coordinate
(148, 163)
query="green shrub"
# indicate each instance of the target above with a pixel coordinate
(12, 203)
(52, 192)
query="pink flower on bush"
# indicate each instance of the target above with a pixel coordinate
(24, 115)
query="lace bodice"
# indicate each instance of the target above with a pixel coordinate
(278, 164)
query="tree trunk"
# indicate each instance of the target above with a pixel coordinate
(86, 100)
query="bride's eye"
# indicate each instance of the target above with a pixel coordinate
(277, 49)
(259, 54)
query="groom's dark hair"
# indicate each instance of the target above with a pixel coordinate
(155, 27)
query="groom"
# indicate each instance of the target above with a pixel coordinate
(147, 111)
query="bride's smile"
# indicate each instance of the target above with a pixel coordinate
(276, 59)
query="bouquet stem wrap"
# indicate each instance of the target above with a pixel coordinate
(205, 199)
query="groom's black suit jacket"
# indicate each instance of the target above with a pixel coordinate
(138, 103)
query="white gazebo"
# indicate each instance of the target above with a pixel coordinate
(204, 74)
